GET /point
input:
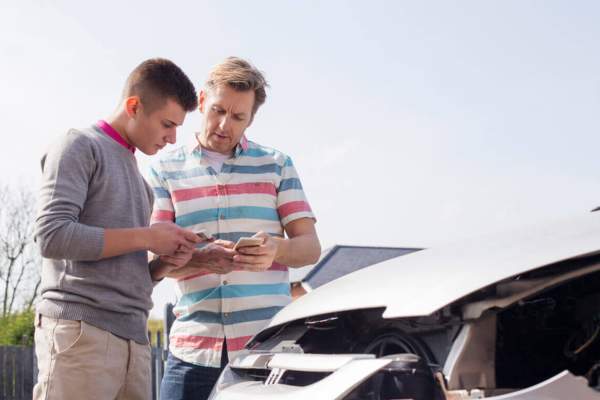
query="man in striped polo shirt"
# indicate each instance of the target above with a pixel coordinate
(231, 188)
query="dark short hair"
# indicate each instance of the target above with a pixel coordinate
(240, 75)
(158, 79)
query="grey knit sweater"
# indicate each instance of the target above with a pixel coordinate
(91, 182)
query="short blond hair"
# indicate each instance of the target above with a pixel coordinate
(240, 75)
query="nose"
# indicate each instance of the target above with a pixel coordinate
(224, 123)
(171, 138)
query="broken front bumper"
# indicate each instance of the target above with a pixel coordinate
(346, 372)
(343, 373)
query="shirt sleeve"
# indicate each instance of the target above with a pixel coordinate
(163, 210)
(291, 200)
(66, 172)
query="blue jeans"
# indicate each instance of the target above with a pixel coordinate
(185, 381)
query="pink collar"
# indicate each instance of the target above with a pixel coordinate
(110, 131)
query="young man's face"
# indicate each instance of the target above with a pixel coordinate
(150, 132)
(227, 114)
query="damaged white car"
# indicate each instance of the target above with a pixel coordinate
(513, 316)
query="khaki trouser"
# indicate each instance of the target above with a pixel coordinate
(79, 361)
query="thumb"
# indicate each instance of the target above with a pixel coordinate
(261, 234)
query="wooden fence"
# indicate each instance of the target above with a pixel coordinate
(18, 370)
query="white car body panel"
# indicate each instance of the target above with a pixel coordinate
(335, 386)
(417, 285)
(564, 386)
(438, 276)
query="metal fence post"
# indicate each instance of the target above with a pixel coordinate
(159, 368)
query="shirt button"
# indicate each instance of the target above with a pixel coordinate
(222, 216)
(226, 314)
(224, 282)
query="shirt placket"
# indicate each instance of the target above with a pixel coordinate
(222, 226)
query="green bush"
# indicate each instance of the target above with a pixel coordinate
(17, 329)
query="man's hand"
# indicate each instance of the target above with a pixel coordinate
(258, 258)
(163, 266)
(215, 257)
(166, 238)
(178, 260)
(163, 238)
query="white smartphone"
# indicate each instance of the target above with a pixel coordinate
(248, 242)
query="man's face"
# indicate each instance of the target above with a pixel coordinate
(150, 132)
(227, 114)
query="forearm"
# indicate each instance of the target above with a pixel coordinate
(298, 251)
(182, 272)
(122, 241)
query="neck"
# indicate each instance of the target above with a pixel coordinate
(119, 123)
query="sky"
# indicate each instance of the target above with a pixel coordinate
(410, 122)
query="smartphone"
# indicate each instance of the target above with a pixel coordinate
(205, 235)
(248, 242)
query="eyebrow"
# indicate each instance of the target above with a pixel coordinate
(171, 122)
(238, 115)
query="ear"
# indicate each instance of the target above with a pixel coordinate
(201, 101)
(132, 106)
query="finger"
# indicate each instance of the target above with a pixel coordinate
(253, 260)
(186, 246)
(186, 250)
(254, 250)
(224, 243)
(242, 266)
(166, 259)
(170, 254)
(224, 252)
(170, 260)
(191, 236)
(228, 253)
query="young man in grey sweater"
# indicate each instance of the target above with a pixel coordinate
(92, 230)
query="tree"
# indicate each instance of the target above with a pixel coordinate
(19, 258)
(17, 329)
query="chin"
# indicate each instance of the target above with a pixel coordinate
(220, 148)
(149, 152)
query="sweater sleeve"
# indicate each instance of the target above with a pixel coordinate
(66, 172)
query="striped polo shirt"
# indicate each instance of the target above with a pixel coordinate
(257, 189)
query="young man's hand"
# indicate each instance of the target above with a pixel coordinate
(167, 238)
(258, 258)
(164, 265)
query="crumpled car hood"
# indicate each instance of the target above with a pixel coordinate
(421, 283)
